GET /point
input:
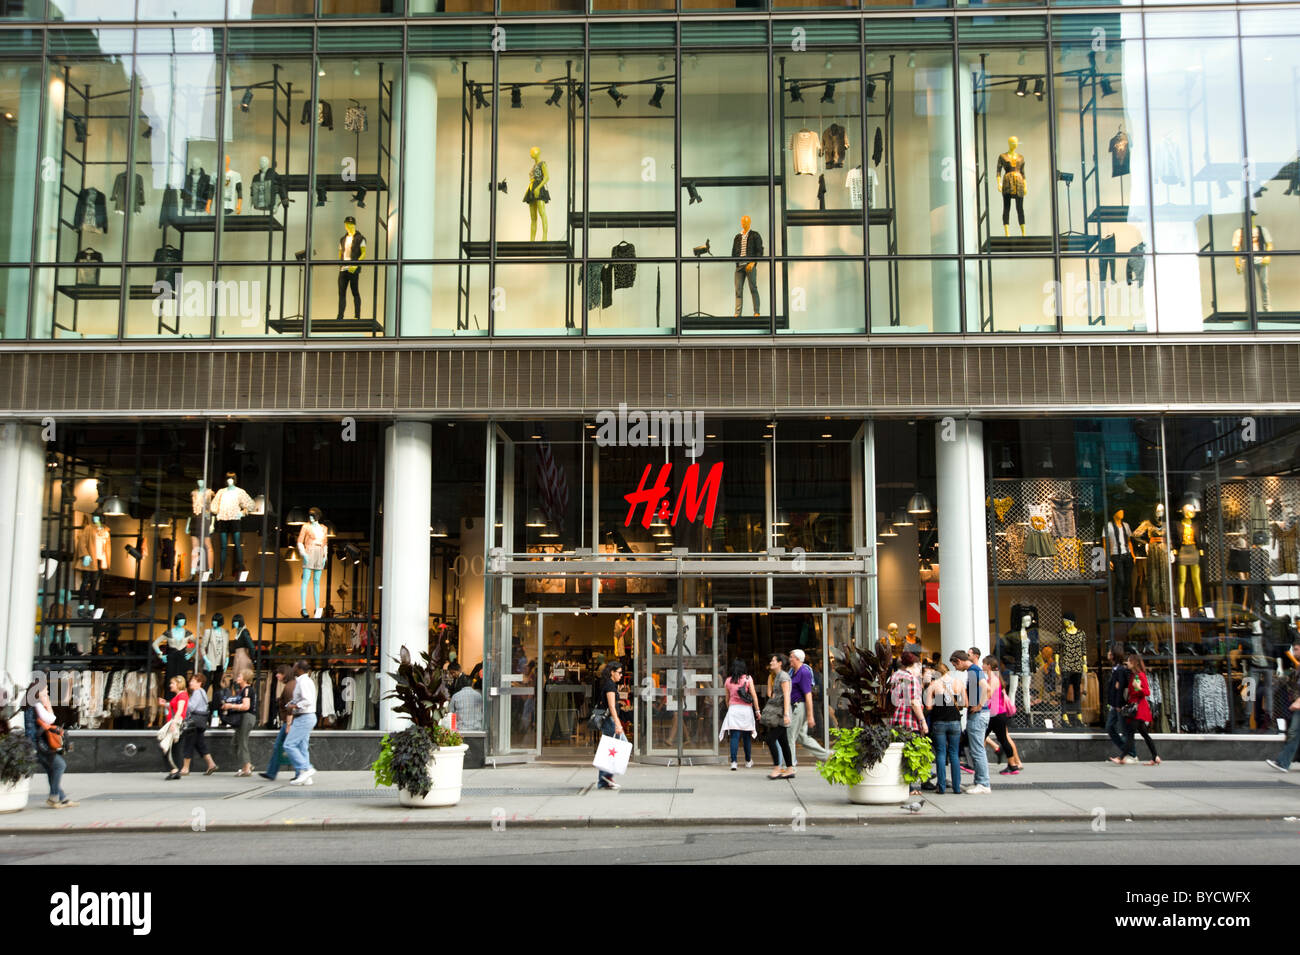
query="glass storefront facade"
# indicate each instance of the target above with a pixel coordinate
(193, 182)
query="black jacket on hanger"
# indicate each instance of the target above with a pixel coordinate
(91, 214)
(119, 193)
(170, 208)
(877, 147)
(624, 272)
(324, 114)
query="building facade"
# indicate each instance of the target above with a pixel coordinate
(548, 334)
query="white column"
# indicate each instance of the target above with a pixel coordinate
(22, 479)
(418, 95)
(963, 557)
(22, 197)
(404, 609)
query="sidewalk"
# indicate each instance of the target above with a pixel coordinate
(563, 796)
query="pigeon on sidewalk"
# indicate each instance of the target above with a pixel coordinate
(914, 806)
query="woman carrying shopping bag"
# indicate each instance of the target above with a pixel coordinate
(171, 731)
(607, 696)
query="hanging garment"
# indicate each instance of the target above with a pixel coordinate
(853, 183)
(1288, 541)
(1063, 516)
(1210, 701)
(119, 194)
(590, 278)
(877, 147)
(232, 189)
(355, 119)
(169, 211)
(1107, 258)
(324, 114)
(88, 274)
(196, 191)
(326, 709)
(1070, 557)
(1014, 551)
(266, 189)
(606, 286)
(805, 146)
(1001, 507)
(1119, 155)
(624, 272)
(821, 192)
(167, 253)
(1011, 167)
(166, 553)
(835, 146)
(91, 214)
(1038, 543)
(1135, 270)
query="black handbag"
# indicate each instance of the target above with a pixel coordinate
(1129, 711)
(773, 714)
(597, 718)
(88, 274)
(744, 694)
(166, 254)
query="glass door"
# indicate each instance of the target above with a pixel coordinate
(679, 706)
(515, 705)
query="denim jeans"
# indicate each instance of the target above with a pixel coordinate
(977, 727)
(54, 765)
(736, 736)
(1117, 727)
(273, 767)
(296, 740)
(607, 729)
(744, 276)
(1292, 743)
(947, 737)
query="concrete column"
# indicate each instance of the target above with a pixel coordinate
(48, 227)
(22, 479)
(22, 197)
(404, 609)
(418, 95)
(963, 555)
(945, 303)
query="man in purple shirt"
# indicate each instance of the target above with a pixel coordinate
(801, 709)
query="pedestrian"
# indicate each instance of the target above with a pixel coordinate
(906, 699)
(977, 718)
(1139, 694)
(612, 725)
(283, 696)
(802, 711)
(740, 721)
(1000, 710)
(173, 729)
(1117, 683)
(1283, 762)
(298, 739)
(237, 711)
(945, 696)
(777, 717)
(467, 705)
(38, 716)
(197, 717)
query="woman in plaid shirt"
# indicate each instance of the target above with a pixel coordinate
(905, 694)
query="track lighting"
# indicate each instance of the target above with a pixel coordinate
(1022, 87)
(657, 99)
(554, 98)
(1038, 88)
(691, 191)
(134, 552)
(616, 96)
(1106, 88)
(871, 89)
(911, 60)
(246, 100)
(353, 552)
(356, 67)
(516, 98)
(580, 94)
(537, 67)
(479, 100)
(795, 95)
(829, 95)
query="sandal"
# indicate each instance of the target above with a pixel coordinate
(1152, 762)
(1117, 760)
(775, 776)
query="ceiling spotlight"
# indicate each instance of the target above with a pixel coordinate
(692, 193)
(871, 89)
(621, 61)
(580, 93)
(356, 67)
(353, 552)
(918, 503)
(829, 95)
(1021, 60)
(535, 518)
(134, 552)
(1106, 88)
(554, 98)
(795, 95)
(663, 63)
(911, 59)
(1022, 87)
(113, 507)
(516, 98)
(479, 100)
(321, 71)
(616, 96)
(455, 67)
(871, 60)
(1038, 88)
(828, 61)
(246, 100)
(657, 98)
(537, 67)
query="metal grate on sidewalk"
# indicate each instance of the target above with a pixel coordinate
(1089, 784)
(1220, 784)
(311, 792)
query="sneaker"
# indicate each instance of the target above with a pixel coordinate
(978, 790)
(1130, 760)
(173, 775)
(267, 776)
(929, 786)
(1009, 771)
(68, 804)
(308, 773)
(610, 785)
(1278, 766)
(733, 767)
(303, 780)
(749, 764)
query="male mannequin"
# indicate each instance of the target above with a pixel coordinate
(216, 647)
(91, 552)
(1012, 185)
(1119, 555)
(196, 191)
(199, 527)
(267, 187)
(312, 546)
(352, 248)
(747, 244)
(1260, 241)
(1187, 535)
(1074, 668)
(229, 505)
(536, 196)
(232, 191)
(174, 647)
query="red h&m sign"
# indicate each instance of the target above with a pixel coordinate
(654, 497)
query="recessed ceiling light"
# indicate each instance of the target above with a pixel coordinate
(826, 436)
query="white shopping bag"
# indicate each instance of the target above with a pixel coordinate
(612, 755)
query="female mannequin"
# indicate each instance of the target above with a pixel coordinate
(1146, 563)
(1187, 534)
(536, 196)
(312, 547)
(1012, 185)
(1157, 573)
(216, 646)
(243, 644)
(230, 504)
(1074, 667)
(175, 646)
(200, 531)
(92, 555)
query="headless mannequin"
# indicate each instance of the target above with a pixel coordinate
(232, 191)
(1012, 184)
(311, 546)
(1072, 683)
(537, 195)
(199, 527)
(1187, 538)
(93, 541)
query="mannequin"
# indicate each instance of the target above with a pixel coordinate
(912, 641)
(175, 646)
(1157, 579)
(536, 196)
(1187, 535)
(1260, 241)
(1119, 153)
(311, 545)
(196, 191)
(267, 187)
(1074, 668)
(1026, 622)
(242, 643)
(1146, 563)
(199, 527)
(895, 641)
(747, 244)
(352, 248)
(1012, 185)
(92, 555)
(230, 504)
(232, 192)
(216, 647)
(1119, 557)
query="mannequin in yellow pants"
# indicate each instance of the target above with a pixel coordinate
(1188, 535)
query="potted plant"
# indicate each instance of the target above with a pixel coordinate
(875, 761)
(425, 760)
(17, 764)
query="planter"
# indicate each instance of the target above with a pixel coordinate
(883, 784)
(14, 798)
(446, 767)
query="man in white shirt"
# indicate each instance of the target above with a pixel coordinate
(304, 718)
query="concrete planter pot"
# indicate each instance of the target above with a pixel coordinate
(883, 784)
(446, 769)
(14, 798)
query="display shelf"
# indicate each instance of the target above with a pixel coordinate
(1038, 243)
(729, 323)
(624, 220)
(519, 250)
(326, 326)
(229, 223)
(1109, 214)
(1219, 172)
(1228, 318)
(837, 217)
(716, 181)
(1074, 582)
(104, 293)
(369, 181)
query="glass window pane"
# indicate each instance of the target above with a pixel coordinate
(463, 285)
(1102, 294)
(65, 309)
(1273, 136)
(820, 297)
(1281, 309)
(359, 8)
(533, 299)
(1010, 295)
(727, 297)
(15, 286)
(20, 96)
(258, 9)
(90, 10)
(180, 303)
(260, 300)
(912, 296)
(348, 300)
(1195, 292)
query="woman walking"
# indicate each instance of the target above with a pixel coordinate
(776, 717)
(905, 696)
(237, 711)
(171, 731)
(1000, 708)
(283, 695)
(945, 699)
(607, 696)
(195, 738)
(1139, 692)
(1117, 687)
(37, 718)
(740, 718)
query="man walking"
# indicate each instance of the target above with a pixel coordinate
(1283, 762)
(1116, 699)
(977, 719)
(304, 718)
(802, 715)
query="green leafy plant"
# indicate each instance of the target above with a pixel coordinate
(846, 765)
(864, 681)
(918, 756)
(17, 758)
(422, 693)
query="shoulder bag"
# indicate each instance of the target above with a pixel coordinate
(51, 736)
(596, 721)
(773, 710)
(743, 692)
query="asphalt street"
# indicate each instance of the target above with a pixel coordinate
(926, 843)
